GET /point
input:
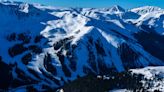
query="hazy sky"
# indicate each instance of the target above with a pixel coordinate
(98, 3)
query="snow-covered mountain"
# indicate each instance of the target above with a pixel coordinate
(44, 47)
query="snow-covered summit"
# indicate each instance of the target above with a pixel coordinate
(146, 9)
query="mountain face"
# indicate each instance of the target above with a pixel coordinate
(44, 47)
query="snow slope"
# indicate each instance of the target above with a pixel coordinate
(46, 47)
(153, 78)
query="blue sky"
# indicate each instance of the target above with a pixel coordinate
(98, 3)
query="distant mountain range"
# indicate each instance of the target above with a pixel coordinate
(45, 47)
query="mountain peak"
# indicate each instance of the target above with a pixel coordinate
(117, 8)
(24, 7)
(146, 9)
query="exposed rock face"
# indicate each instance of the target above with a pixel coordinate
(151, 41)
